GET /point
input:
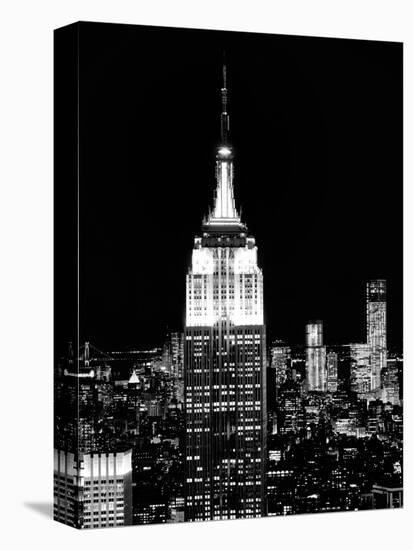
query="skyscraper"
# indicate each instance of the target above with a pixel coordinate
(224, 357)
(390, 380)
(316, 372)
(377, 327)
(360, 369)
(93, 489)
(332, 361)
(280, 361)
(92, 469)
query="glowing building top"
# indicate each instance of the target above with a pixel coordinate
(224, 281)
(225, 360)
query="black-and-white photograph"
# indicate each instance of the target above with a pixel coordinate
(228, 275)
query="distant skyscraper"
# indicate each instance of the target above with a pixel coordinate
(280, 361)
(224, 357)
(316, 372)
(360, 369)
(390, 382)
(332, 361)
(173, 361)
(377, 327)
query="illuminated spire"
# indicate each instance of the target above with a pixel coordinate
(224, 103)
(224, 211)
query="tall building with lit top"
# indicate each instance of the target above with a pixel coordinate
(224, 358)
(377, 327)
(316, 371)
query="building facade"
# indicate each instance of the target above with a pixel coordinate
(332, 371)
(316, 372)
(387, 497)
(280, 361)
(93, 489)
(224, 358)
(390, 380)
(376, 313)
(361, 373)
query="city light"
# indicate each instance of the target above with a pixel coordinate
(224, 151)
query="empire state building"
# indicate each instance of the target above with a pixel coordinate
(225, 367)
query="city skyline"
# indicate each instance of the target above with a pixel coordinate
(218, 396)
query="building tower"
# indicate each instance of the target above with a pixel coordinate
(92, 469)
(280, 362)
(332, 362)
(316, 371)
(224, 360)
(93, 489)
(376, 328)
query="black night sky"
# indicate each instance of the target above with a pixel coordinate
(317, 129)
